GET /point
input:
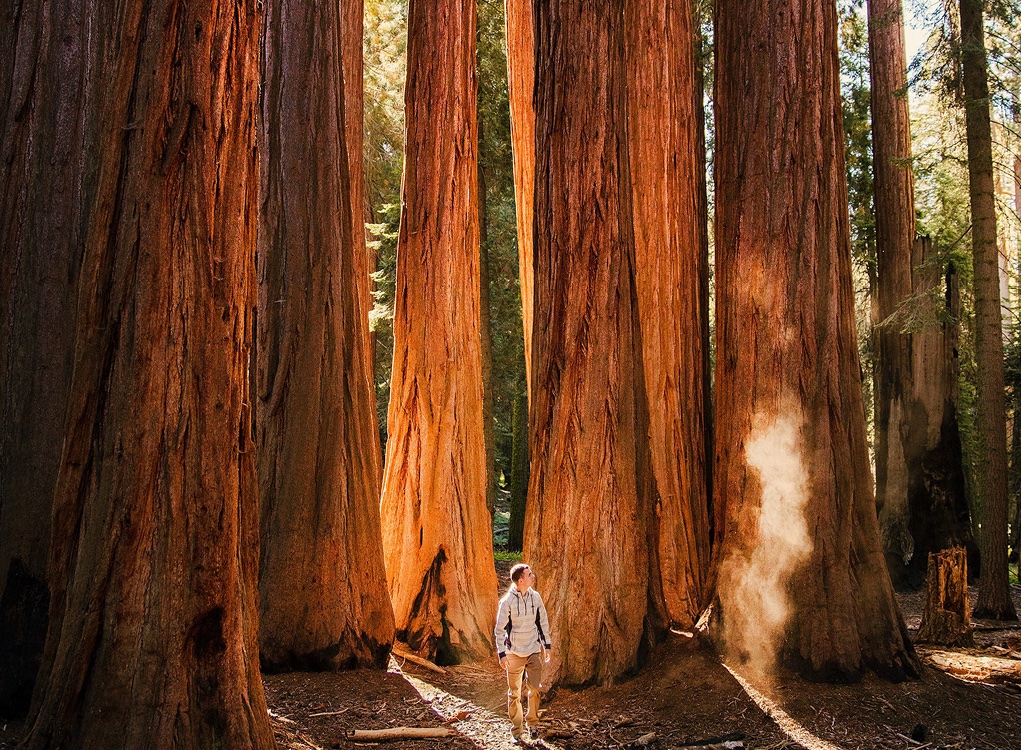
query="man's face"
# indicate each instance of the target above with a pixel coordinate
(527, 578)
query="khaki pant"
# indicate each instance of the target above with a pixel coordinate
(529, 667)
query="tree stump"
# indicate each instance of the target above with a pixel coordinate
(945, 618)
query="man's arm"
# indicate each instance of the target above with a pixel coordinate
(500, 632)
(542, 622)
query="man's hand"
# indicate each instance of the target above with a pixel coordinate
(503, 661)
(546, 655)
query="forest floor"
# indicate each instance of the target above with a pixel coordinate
(967, 698)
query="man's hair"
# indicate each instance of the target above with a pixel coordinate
(517, 571)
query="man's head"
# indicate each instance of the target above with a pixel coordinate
(522, 576)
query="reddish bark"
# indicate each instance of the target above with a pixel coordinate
(153, 560)
(587, 516)
(520, 92)
(323, 598)
(896, 442)
(664, 141)
(786, 351)
(437, 532)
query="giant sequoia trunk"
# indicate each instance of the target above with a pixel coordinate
(897, 438)
(589, 496)
(802, 559)
(437, 532)
(152, 636)
(322, 586)
(520, 92)
(47, 108)
(994, 587)
(663, 137)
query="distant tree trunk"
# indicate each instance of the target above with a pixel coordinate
(938, 512)
(46, 108)
(519, 468)
(487, 338)
(520, 90)
(791, 442)
(1015, 485)
(663, 133)
(153, 560)
(322, 586)
(895, 233)
(590, 486)
(437, 533)
(994, 588)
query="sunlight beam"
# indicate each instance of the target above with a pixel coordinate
(785, 721)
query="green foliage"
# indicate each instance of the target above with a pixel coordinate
(381, 317)
(384, 42)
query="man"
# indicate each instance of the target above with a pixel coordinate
(523, 644)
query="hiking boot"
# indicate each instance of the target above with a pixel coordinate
(515, 739)
(533, 733)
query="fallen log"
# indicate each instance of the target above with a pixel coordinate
(400, 733)
(418, 660)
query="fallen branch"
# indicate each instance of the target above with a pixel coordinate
(400, 733)
(418, 660)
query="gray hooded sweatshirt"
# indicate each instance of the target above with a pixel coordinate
(521, 623)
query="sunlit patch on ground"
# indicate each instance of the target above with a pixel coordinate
(788, 724)
(482, 726)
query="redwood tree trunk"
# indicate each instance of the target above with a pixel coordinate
(994, 587)
(520, 93)
(47, 107)
(587, 516)
(322, 587)
(437, 532)
(896, 440)
(803, 568)
(663, 134)
(153, 560)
